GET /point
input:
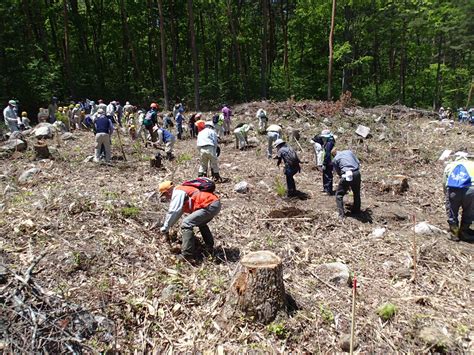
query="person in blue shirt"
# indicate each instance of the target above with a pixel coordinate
(179, 124)
(103, 131)
(347, 167)
(323, 146)
(458, 184)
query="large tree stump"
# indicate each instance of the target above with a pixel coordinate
(41, 150)
(257, 289)
(397, 184)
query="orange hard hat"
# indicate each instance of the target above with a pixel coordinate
(154, 105)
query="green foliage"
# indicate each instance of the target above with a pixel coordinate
(326, 313)
(280, 187)
(130, 212)
(384, 51)
(278, 329)
(182, 158)
(387, 311)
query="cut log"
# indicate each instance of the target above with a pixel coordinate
(257, 289)
(41, 150)
(397, 184)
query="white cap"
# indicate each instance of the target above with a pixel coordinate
(12, 102)
(325, 133)
(100, 111)
(278, 142)
(209, 123)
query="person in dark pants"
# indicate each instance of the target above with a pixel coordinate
(458, 184)
(347, 166)
(323, 146)
(292, 165)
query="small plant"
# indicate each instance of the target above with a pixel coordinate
(277, 329)
(130, 212)
(183, 158)
(387, 311)
(326, 313)
(280, 187)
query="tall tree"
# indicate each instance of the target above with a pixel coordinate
(163, 55)
(195, 55)
(331, 52)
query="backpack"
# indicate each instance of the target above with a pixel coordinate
(202, 184)
(148, 120)
(215, 119)
(459, 177)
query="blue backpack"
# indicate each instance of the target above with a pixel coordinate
(459, 177)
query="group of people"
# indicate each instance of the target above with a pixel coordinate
(464, 115)
(202, 204)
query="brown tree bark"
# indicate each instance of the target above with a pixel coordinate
(236, 45)
(284, 18)
(257, 289)
(264, 50)
(127, 40)
(67, 63)
(194, 54)
(331, 54)
(163, 55)
(437, 91)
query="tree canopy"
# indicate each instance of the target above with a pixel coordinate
(416, 52)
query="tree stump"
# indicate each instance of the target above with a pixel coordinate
(257, 289)
(397, 184)
(41, 150)
(155, 162)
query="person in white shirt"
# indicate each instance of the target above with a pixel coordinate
(273, 133)
(262, 119)
(207, 145)
(10, 117)
(241, 134)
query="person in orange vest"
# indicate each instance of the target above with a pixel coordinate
(200, 123)
(201, 208)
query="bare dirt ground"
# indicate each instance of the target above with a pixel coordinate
(102, 278)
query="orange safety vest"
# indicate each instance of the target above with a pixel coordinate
(196, 199)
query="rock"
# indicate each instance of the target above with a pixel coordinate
(336, 273)
(43, 130)
(362, 131)
(59, 126)
(3, 177)
(398, 184)
(424, 228)
(253, 140)
(341, 130)
(435, 338)
(67, 136)
(241, 187)
(378, 232)
(18, 135)
(445, 155)
(345, 342)
(28, 175)
(306, 126)
(13, 145)
(382, 137)
(88, 159)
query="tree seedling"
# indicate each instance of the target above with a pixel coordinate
(387, 311)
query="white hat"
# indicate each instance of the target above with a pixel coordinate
(278, 142)
(209, 123)
(12, 102)
(325, 133)
(100, 111)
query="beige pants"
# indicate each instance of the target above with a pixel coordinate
(208, 157)
(102, 138)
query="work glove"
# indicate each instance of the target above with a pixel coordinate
(163, 230)
(323, 167)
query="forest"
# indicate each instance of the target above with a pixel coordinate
(208, 52)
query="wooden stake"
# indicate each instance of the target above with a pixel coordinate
(120, 142)
(354, 293)
(414, 249)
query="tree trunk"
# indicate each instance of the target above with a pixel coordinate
(436, 96)
(128, 42)
(264, 50)
(236, 45)
(174, 47)
(163, 55)
(195, 55)
(331, 54)
(67, 63)
(284, 18)
(258, 289)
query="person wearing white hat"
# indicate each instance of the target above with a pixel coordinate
(323, 145)
(166, 138)
(347, 167)
(292, 165)
(103, 128)
(207, 145)
(10, 116)
(262, 119)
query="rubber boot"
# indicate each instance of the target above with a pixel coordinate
(169, 156)
(202, 175)
(466, 233)
(208, 239)
(216, 177)
(188, 247)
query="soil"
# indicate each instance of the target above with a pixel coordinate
(96, 228)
